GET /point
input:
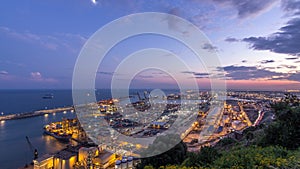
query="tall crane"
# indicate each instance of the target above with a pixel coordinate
(145, 95)
(138, 94)
(32, 149)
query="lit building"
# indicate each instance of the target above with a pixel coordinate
(65, 159)
(44, 162)
(94, 157)
(237, 124)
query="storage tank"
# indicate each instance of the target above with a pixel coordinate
(130, 162)
(124, 164)
(118, 164)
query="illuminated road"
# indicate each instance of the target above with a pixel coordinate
(249, 123)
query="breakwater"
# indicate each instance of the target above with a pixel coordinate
(35, 113)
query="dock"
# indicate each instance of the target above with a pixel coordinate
(35, 113)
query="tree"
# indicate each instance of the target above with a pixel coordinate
(204, 158)
(291, 100)
(285, 131)
(175, 155)
(258, 157)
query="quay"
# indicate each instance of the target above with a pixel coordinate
(35, 113)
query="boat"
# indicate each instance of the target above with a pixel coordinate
(48, 96)
(60, 137)
(51, 131)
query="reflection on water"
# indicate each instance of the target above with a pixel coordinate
(15, 151)
(52, 142)
(2, 123)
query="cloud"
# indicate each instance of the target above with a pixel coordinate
(267, 61)
(235, 72)
(209, 47)
(157, 73)
(230, 39)
(64, 41)
(287, 39)
(292, 7)
(173, 22)
(248, 8)
(289, 66)
(254, 73)
(37, 76)
(105, 73)
(109, 73)
(292, 58)
(5, 76)
(201, 74)
(248, 73)
(197, 74)
(28, 37)
(268, 67)
(188, 72)
(294, 77)
(3, 72)
(146, 76)
(205, 20)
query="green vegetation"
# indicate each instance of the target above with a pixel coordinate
(249, 158)
(257, 157)
(274, 145)
(204, 158)
(285, 130)
(175, 155)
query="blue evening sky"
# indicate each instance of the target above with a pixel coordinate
(258, 42)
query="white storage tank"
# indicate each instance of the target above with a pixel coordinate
(130, 162)
(118, 164)
(124, 164)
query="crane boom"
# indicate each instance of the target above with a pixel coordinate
(32, 149)
(29, 144)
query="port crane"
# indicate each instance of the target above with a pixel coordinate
(32, 149)
(145, 95)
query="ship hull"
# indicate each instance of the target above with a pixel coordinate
(65, 138)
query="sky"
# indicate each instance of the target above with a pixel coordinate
(257, 42)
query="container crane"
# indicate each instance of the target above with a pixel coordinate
(32, 149)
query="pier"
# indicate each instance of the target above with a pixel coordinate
(35, 113)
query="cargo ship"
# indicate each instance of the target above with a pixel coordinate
(48, 96)
(55, 132)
